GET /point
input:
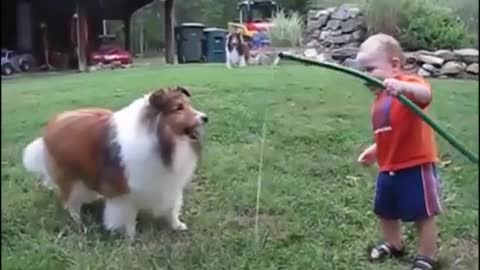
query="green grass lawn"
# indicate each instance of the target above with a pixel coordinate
(316, 201)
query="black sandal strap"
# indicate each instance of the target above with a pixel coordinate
(423, 263)
(384, 250)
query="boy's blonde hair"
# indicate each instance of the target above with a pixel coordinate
(388, 44)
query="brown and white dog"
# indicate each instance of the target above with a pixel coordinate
(138, 158)
(237, 51)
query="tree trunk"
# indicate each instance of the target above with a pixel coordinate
(81, 47)
(170, 31)
(142, 38)
(126, 29)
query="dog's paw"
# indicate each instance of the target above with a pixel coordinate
(130, 232)
(75, 216)
(179, 226)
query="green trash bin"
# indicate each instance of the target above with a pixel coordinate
(189, 38)
(214, 44)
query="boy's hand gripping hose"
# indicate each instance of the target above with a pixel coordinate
(375, 82)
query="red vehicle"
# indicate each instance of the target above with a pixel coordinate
(254, 16)
(110, 52)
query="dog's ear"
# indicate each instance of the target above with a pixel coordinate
(157, 98)
(184, 91)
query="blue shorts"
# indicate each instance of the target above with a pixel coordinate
(410, 194)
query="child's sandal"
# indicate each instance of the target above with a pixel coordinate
(423, 263)
(385, 250)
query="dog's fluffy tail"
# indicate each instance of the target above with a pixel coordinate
(35, 161)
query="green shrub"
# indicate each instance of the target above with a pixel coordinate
(419, 24)
(287, 30)
(385, 16)
(433, 27)
(467, 10)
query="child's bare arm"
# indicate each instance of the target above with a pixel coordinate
(417, 92)
(372, 149)
(369, 155)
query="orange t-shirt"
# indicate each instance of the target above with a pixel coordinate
(403, 139)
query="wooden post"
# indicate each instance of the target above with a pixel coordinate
(142, 36)
(81, 48)
(170, 31)
(126, 28)
(47, 66)
(104, 27)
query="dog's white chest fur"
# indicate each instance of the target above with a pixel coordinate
(234, 58)
(153, 186)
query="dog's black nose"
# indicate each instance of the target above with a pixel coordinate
(205, 118)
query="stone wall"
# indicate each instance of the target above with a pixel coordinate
(462, 63)
(334, 34)
(335, 27)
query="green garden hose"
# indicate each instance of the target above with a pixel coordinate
(375, 82)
